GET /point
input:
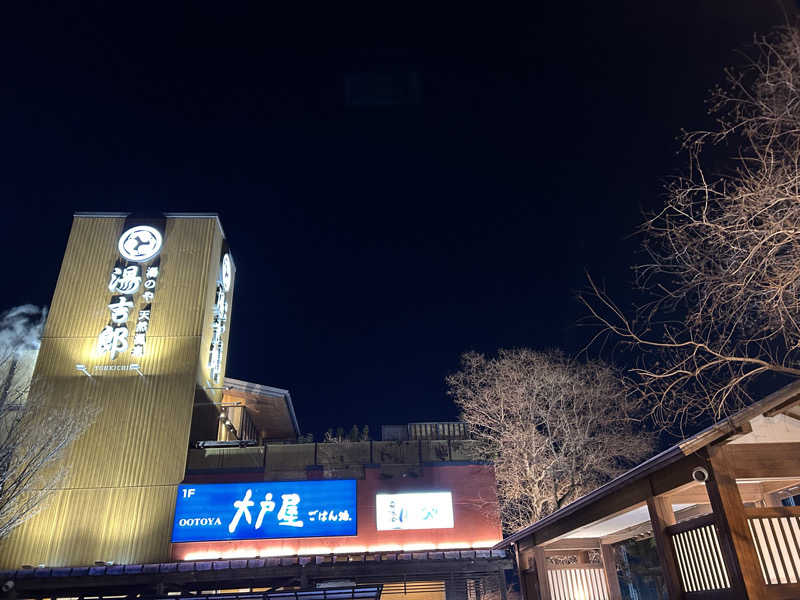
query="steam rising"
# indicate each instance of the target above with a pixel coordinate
(21, 330)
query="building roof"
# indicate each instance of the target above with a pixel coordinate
(270, 408)
(166, 215)
(783, 399)
(389, 566)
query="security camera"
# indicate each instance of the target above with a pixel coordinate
(700, 475)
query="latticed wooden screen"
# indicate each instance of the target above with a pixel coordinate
(699, 557)
(577, 583)
(776, 535)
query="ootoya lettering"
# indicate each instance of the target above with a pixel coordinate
(200, 521)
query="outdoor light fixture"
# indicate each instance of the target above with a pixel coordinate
(218, 387)
(83, 369)
(104, 563)
(137, 368)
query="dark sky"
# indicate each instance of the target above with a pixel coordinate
(398, 184)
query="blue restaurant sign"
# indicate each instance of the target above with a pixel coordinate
(264, 510)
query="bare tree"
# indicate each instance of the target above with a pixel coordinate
(723, 275)
(33, 434)
(554, 428)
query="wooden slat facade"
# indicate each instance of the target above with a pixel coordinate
(118, 500)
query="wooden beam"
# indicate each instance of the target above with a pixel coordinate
(734, 534)
(754, 461)
(781, 486)
(787, 405)
(633, 493)
(573, 544)
(691, 512)
(675, 475)
(610, 569)
(751, 491)
(661, 517)
(627, 533)
(773, 512)
(690, 493)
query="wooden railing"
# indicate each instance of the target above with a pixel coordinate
(697, 551)
(776, 536)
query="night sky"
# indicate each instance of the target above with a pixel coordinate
(397, 184)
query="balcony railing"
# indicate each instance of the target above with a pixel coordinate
(293, 459)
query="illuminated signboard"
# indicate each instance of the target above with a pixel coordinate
(139, 244)
(264, 510)
(220, 317)
(427, 510)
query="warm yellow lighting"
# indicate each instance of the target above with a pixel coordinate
(203, 555)
(240, 553)
(386, 548)
(315, 550)
(350, 550)
(453, 546)
(415, 547)
(272, 552)
(485, 543)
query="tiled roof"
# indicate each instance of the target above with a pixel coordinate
(249, 563)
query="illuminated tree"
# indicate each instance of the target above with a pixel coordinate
(723, 276)
(32, 438)
(555, 428)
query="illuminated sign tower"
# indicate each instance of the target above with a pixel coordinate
(138, 328)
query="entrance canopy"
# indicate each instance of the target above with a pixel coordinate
(712, 515)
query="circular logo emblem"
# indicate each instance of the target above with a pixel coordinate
(140, 243)
(226, 272)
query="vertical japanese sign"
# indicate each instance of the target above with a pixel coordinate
(129, 283)
(265, 510)
(220, 318)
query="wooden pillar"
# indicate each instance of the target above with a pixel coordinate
(735, 541)
(661, 517)
(541, 573)
(529, 585)
(521, 572)
(610, 568)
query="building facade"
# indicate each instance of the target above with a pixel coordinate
(160, 282)
(189, 482)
